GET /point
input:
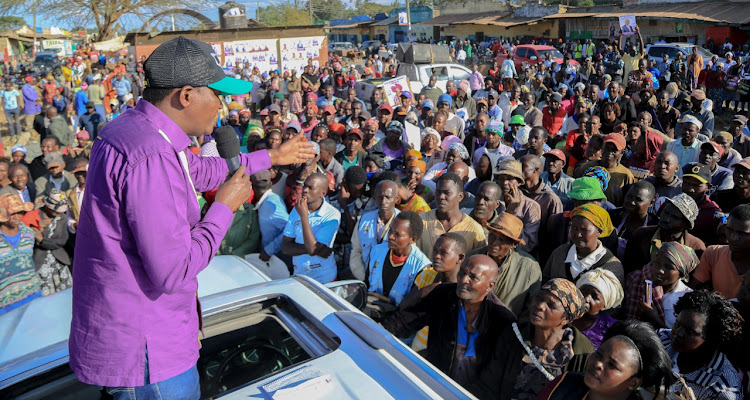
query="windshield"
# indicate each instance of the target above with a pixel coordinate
(554, 52)
(705, 53)
(44, 58)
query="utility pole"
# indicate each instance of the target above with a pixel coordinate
(408, 21)
(33, 47)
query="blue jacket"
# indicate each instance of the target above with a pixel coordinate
(80, 101)
(367, 232)
(414, 264)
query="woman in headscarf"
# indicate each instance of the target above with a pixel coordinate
(585, 251)
(668, 273)
(602, 292)
(529, 356)
(642, 369)
(294, 86)
(19, 282)
(455, 152)
(50, 227)
(431, 152)
(647, 147)
(414, 171)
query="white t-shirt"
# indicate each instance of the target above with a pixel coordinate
(670, 299)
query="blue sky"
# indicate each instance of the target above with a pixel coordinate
(212, 12)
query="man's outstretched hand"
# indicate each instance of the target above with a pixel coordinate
(294, 151)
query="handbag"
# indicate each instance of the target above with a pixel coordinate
(743, 88)
(732, 83)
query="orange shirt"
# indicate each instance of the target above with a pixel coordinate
(716, 266)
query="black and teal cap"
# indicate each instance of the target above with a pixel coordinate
(182, 62)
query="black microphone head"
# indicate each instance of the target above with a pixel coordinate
(227, 142)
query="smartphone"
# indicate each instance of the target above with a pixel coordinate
(647, 294)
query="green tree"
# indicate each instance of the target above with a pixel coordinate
(11, 23)
(104, 14)
(367, 7)
(289, 13)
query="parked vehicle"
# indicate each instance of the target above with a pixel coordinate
(419, 76)
(370, 45)
(340, 46)
(262, 339)
(532, 54)
(656, 51)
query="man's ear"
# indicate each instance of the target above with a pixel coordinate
(185, 95)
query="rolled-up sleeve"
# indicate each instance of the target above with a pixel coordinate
(155, 200)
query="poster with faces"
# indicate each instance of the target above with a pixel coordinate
(262, 54)
(295, 52)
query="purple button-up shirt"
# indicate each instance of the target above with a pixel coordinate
(141, 243)
(30, 96)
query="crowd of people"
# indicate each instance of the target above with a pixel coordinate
(551, 231)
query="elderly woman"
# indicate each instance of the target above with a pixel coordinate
(455, 152)
(431, 152)
(631, 364)
(19, 283)
(668, 273)
(528, 357)
(589, 222)
(50, 227)
(707, 326)
(602, 291)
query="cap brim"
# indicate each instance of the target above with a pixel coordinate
(232, 86)
(699, 178)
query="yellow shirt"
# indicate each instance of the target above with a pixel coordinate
(471, 231)
(631, 64)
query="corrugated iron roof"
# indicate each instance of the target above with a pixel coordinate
(735, 13)
(464, 18)
(495, 21)
(386, 21)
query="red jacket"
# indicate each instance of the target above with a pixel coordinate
(553, 123)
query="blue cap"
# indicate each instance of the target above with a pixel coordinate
(445, 98)
(428, 104)
(18, 148)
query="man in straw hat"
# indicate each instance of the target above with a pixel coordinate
(141, 237)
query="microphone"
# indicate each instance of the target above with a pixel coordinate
(228, 145)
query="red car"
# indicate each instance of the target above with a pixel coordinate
(532, 54)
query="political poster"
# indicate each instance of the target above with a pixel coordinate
(402, 19)
(258, 53)
(627, 24)
(393, 89)
(295, 52)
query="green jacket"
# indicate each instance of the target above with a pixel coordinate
(243, 236)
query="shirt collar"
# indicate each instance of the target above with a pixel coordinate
(578, 266)
(178, 137)
(263, 198)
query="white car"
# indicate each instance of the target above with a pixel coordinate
(288, 338)
(418, 75)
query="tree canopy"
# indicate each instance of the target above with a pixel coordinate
(8, 22)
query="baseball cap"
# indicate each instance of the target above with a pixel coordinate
(274, 108)
(617, 139)
(586, 188)
(698, 171)
(386, 107)
(428, 104)
(517, 120)
(556, 97)
(90, 104)
(182, 62)
(365, 115)
(83, 134)
(330, 109)
(394, 126)
(406, 93)
(20, 148)
(54, 158)
(400, 110)
(745, 163)
(493, 93)
(741, 119)
(713, 146)
(557, 153)
(294, 125)
(357, 132)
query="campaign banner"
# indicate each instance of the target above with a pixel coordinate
(402, 19)
(393, 89)
(258, 53)
(295, 52)
(627, 24)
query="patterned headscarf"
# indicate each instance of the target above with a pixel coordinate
(569, 295)
(597, 215)
(461, 149)
(599, 173)
(606, 283)
(414, 153)
(681, 256)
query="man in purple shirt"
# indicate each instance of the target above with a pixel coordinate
(32, 105)
(141, 239)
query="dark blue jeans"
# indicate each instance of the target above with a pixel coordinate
(185, 386)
